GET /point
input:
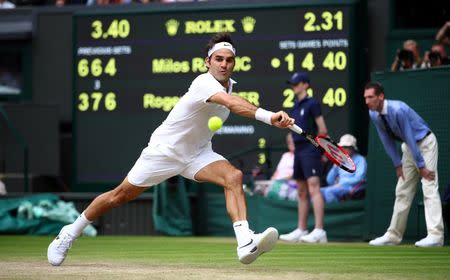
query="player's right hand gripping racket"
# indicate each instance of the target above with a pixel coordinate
(332, 150)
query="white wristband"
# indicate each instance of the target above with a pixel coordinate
(264, 116)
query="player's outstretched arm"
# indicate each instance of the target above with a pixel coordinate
(242, 107)
(236, 104)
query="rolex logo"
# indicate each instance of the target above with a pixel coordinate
(248, 23)
(172, 27)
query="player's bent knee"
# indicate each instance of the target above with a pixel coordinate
(234, 179)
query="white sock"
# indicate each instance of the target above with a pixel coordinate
(242, 232)
(78, 226)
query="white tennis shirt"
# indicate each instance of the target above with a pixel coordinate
(185, 133)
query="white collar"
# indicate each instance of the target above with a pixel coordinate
(232, 82)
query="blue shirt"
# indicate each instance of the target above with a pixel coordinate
(406, 124)
(305, 112)
(347, 178)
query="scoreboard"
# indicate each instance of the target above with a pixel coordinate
(132, 66)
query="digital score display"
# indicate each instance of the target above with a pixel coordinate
(131, 68)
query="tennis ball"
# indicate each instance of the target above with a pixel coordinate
(214, 123)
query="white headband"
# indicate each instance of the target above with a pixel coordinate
(221, 45)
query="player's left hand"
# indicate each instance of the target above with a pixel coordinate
(282, 120)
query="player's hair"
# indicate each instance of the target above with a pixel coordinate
(379, 89)
(217, 38)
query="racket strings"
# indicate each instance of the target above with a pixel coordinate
(336, 153)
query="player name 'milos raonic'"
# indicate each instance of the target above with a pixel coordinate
(195, 65)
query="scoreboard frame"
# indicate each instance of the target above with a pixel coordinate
(355, 116)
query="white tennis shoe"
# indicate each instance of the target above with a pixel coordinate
(429, 242)
(57, 250)
(294, 236)
(258, 244)
(315, 236)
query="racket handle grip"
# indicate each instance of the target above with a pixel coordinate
(297, 129)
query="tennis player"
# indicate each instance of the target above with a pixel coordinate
(181, 145)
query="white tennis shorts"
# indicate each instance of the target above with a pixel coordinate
(153, 167)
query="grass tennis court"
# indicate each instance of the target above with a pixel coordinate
(130, 257)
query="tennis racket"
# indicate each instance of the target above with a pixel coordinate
(333, 151)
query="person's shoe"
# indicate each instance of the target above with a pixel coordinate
(383, 241)
(57, 250)
(315, 236)
(293, 236)
(259, 244)
(430, 242)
